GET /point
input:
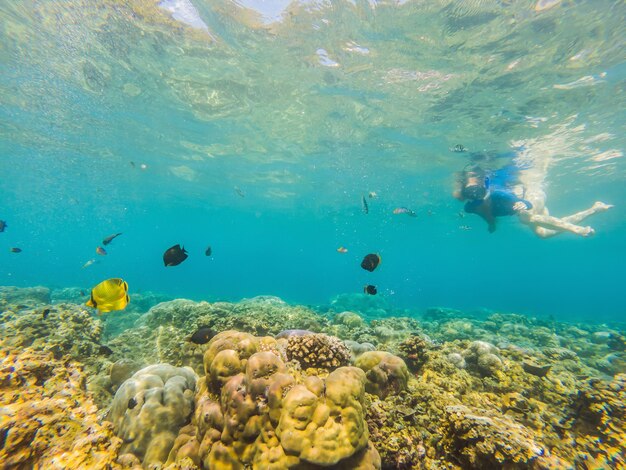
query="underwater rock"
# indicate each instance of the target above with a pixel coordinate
(75, 295)
(47, 419)
(357, 348)
(613, 363)
(385, 373)
(259, 316)
(66, 329)
(289, 333)
(442, 313)
(149, 409)
(122, 370)
(350, 319)
(457, 360)
(24, 296)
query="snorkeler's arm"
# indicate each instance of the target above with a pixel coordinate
(456, 188)
(484, 210)
(506, 203)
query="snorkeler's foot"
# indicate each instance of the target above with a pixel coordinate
(586, 232)
(601, 207)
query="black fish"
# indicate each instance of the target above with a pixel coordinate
(534, 369)
(366, 208)
(105, 350)
(370, 289)
(208, 251)
(202, 336)
(370, 262)
(16, 250)
(132, 403)
(45, 312)
(110, 238)
(3, 225)
(174, 256)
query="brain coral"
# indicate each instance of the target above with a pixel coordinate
(318, 350)
(386, 374)
(252, 411)
(149, 409)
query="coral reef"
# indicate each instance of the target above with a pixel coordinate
(483, 357)
(318, 350)
(479, 441)
(414, 350)
(486, 390)
(149, 409)
(252, 410)
(47, 419)
(23, 297)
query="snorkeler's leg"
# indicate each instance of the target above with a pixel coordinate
(579, 216)
(550, 224)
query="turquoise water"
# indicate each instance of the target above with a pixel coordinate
(306, 111)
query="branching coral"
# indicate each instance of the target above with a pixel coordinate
(318, 350)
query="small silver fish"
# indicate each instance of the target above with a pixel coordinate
(89, 263)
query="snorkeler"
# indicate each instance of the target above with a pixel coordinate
(488, 194)
(490, 200)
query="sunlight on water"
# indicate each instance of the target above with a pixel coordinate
(111, 107)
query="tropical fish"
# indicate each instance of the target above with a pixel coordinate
(109, 295)
(3, 225)
(372, 195)
(534, 369)
(202, 335)
(459, 148)
(208, 251)
(89, 263)
(465, 227)
(370, 289)
(110, 238)
(371, 261)
(342, 249)
(15, 250)
(105, 350)
(404, 210)
(174, 256)
(366, 208)
(101, 251)
(132, 164)
(239, 191)
(44, 313)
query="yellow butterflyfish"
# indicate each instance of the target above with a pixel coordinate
(109, 295)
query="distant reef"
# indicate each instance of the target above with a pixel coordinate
(352, 385)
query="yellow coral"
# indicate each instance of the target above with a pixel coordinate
(47, 418)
